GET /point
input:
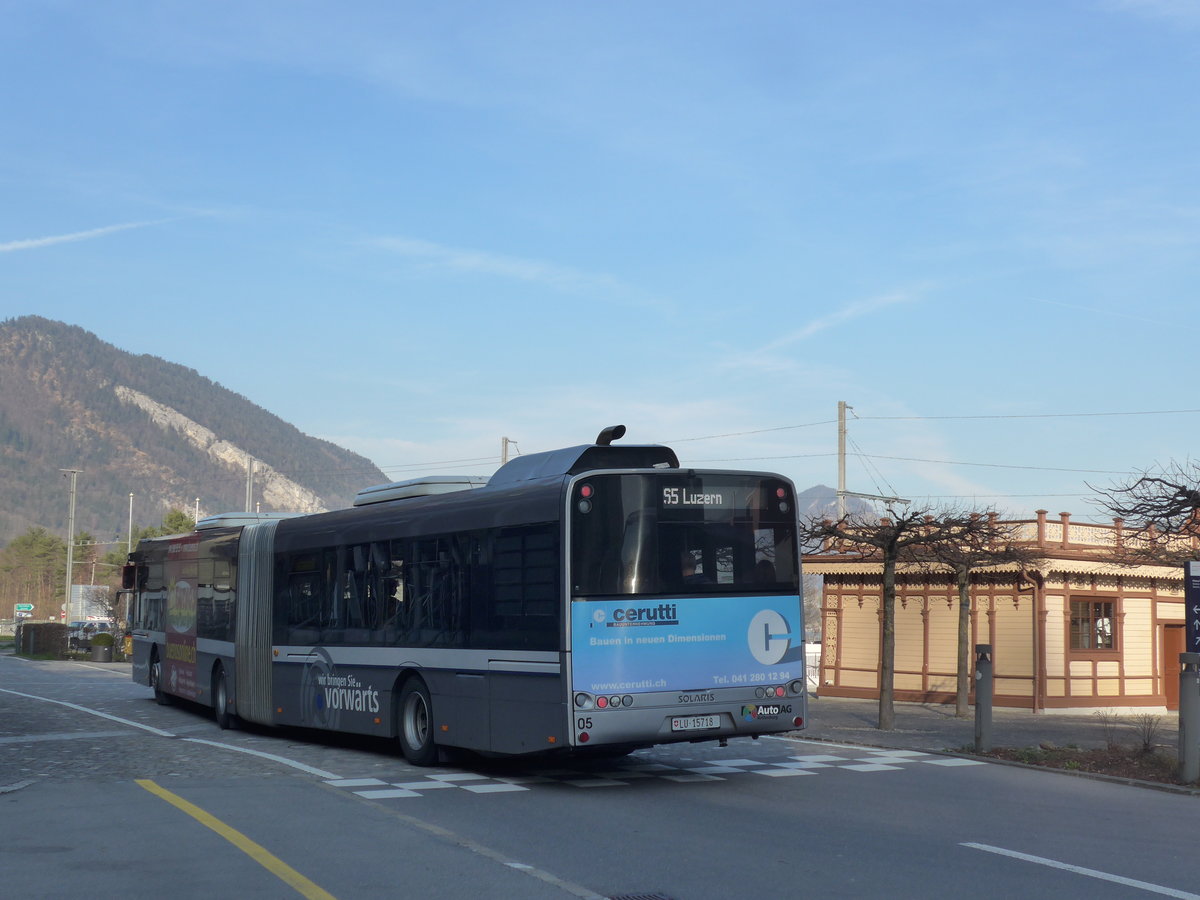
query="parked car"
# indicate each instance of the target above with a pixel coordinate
(81, 638)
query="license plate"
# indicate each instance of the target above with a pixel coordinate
(695, 723)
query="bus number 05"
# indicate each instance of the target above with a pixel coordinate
(583, 723)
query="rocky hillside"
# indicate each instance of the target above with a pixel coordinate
(144, 425)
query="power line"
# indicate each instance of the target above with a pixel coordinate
(994, 496)
(951, 462)
(1148, 412)
(710, 437)
(945, 462)
(762, 458)
(487, 460)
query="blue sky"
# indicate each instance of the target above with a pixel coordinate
(413, 229)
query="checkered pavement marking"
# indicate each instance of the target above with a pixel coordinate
(854, 760)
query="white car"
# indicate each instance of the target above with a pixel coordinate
(80, 638)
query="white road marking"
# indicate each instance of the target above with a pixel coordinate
(92, 712)
(311, 770)
(321, 773)
(1090, 873)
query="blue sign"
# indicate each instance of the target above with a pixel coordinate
(638, 645)
(1191, 603)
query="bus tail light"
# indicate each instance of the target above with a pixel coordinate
(583, 701)
(584, 737)
(798, 721)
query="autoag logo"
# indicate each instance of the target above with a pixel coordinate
(765, 711)
(771, 639)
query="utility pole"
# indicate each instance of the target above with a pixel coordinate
(129, 540)
(504, 442)
(842, 493)
(841, 487)
(249, 482)
(73, 474)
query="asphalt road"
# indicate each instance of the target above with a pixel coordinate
(102, 790)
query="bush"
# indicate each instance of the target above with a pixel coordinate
(103, 639)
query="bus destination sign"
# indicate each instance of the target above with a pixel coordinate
(685, 497)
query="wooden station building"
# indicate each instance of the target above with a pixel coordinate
(1076, 629)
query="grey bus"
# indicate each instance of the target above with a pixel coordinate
(598, 596)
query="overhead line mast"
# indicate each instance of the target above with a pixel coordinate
(842, 493)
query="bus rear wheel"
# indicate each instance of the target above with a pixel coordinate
(416, 724)
(220, 695)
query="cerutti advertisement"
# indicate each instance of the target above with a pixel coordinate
(685, 644)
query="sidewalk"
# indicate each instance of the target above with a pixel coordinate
(921, 726)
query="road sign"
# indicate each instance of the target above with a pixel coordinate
(24, 607)
(1191, 603)
(21, 614)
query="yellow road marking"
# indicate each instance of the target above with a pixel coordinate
(260, 855)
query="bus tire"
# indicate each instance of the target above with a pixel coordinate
(415, 727)
(220, 694)
(161, 697)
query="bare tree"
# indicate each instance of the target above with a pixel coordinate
(898, 536)
(974, 541)
(1160, 511)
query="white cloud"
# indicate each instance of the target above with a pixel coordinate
(768, 358)
(39, 243)
(1183, 12)
(482, 262)
(839, 317)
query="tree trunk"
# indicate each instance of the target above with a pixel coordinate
(887, 662)
(962, 694)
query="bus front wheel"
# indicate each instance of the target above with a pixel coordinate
(416, 724)
(161, 697)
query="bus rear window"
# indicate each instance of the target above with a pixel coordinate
(675, 534)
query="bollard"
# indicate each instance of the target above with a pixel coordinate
(983, 698)
(1189, 717)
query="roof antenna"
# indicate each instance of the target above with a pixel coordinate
(610, 434)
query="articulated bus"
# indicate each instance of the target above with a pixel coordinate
(598, 596)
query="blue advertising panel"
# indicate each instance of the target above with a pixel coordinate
(637, 646)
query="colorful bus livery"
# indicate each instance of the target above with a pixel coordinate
(592, 597)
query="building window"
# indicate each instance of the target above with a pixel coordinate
(1093, 625)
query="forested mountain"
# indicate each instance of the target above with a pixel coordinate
(137, 423)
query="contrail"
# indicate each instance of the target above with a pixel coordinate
(37, 243)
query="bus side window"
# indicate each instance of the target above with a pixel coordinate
(525, 608)
(375, 611)
(435, 590)
(395, 610)
(153, 599)
(301, 597)
(352, 578)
